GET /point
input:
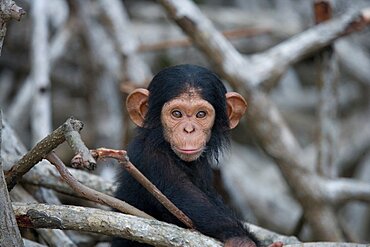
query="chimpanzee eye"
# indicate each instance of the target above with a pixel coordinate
(201, 114)
(176, 114)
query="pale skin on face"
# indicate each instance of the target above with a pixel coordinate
(187, 124)
(187, 119)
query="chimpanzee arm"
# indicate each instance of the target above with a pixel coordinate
(210, 218)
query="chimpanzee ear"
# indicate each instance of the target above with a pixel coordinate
(137, 105)
(236, 107)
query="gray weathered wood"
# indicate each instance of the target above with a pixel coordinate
(9, 232)
(110, 223)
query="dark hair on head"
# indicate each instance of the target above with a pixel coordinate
(173, 81)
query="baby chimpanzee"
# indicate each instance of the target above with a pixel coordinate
(183, 121)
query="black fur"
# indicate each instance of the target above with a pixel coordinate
(187, 184)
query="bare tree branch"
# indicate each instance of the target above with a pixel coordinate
(274, 62)
(9, 232)
(74, 140)
(115, 224)
(20, 105)
(53, 237)
(136, 70)
(29, 243)
(138, 229)
(327, 77)
(40, 150)
(91, 194)
(342, 190)
(41, 123)
(122, 158)
(236, 33)
(266, 121)
(110, 223)
(102, 75)
(47, 176)
(8, 10)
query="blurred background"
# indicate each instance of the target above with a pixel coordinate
(68, 58)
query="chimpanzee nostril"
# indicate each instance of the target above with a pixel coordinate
(189, 128)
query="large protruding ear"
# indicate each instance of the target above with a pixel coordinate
(236, 107)
(137, 105)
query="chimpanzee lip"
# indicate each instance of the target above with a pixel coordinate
(189, 150)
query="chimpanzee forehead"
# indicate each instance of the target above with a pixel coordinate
(189, 96)
(192, 92)
(189, 102)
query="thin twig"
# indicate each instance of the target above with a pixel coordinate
(39, 151)
(121, 157)
(74, 140)
(327, 76)
(91, 194)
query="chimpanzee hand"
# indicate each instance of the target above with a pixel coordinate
(276, 244)
(246, 242)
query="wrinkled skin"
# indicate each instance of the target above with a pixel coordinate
(187, 123)
(187, 119)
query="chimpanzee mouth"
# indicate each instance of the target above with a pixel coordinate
(189, 151)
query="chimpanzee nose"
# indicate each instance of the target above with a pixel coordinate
(189, 128)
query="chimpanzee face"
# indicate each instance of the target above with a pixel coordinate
(187, 119)
(190, 106)
(187, 122)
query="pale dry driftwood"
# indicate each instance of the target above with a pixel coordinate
(121, 157)
(8, 10)
(53, 237)
(14, 150)
(102, 76)
(41, 115)
(41, 149)
(327, 81)
(9, 231)
(79, 148)
(357, 190)
(267, 124)
(20, 105)
(40, 70)
(6, 83)
(44, 174)
(135, 70)
(69, 130)
(117, 224)
(131, 227)
(272, 63)
(356, 64)
(354, 139)
(352, 143)
(109, 223)
(224, 16)
(253, 184)
(29, 243)
(89, 193)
